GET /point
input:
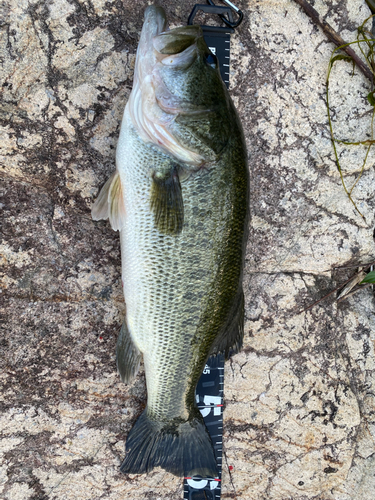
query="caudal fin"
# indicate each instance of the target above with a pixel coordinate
(182, 448)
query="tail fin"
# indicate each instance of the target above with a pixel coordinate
(182, 448)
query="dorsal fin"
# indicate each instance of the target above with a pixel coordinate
(110, 203)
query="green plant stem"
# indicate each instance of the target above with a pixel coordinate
(333, 139)
(368, 71)
(335, 38)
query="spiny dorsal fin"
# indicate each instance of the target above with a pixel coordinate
(110, 203)
(167, 204)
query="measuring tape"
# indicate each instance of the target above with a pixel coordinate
(209, 396)
(209, 393)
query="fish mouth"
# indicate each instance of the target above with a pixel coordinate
(159, 44)
(155, 23)
(177, 48)
(152, 106)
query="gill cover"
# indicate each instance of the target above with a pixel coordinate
(152, 106)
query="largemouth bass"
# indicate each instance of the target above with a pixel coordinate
(179, 198)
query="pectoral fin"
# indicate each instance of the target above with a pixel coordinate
(166, 203)
(110, 203)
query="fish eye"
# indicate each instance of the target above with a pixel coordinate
(211, 60)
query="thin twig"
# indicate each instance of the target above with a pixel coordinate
(328, 294)
(335, 37)
(364, 266)
(360, 287)
(356, 265)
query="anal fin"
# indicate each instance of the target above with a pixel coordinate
(110, 203)
(128, 356)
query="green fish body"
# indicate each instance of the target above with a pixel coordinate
(179, 198)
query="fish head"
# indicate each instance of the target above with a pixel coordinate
(179, 101)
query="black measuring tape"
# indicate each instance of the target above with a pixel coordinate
(209, 393)
(218, 37)
(209, 396)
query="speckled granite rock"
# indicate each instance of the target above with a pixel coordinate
(300, 400)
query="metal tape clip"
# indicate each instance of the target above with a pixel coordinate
(229, 22)
(218, 37)
(214, 9)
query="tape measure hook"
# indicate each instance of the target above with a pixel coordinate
(228, 22)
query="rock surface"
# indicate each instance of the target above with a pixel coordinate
(299, 421)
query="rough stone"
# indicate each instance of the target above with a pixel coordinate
(299, 419)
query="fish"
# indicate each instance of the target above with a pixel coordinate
(179, 198)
